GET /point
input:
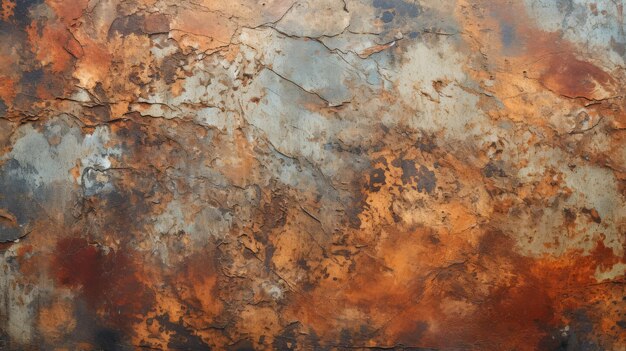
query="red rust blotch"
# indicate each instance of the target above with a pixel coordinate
(574, 78)
(108, 281)
(79, 264)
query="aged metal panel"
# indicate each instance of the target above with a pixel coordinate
(312, 175)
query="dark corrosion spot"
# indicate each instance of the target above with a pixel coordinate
(570, 216)
(248, 254)
(408, 170)
(242, 345)
(314, 341)
(22, 10)
(401, 7)
(507, 34)
(593, 214)
(139, 25)
(26, 102)
(5, 340)
(308, 286)
(181, 337)
(387, 17)
(493, 170)
(353, 149)
(434, 238)
(170, 65)
(274, 212)
(303, 263)
(100, 92)
(581, 333)
(377, 179)
(30, 80)
(353, 215)
(415, 333)
(99, 113)
(286, 340)
(621, 324)
(269, 253)
(345, 337)
(3, 108)
(426, 180)
(394, 215)
(127, 25)
(555, 341)
(427, 144)
(107, 340)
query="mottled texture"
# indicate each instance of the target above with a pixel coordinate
(312, 175)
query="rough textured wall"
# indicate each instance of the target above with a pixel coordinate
(312, 175)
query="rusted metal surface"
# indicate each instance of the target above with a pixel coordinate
(312, 175)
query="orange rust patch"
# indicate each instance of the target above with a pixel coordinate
(68, 12)
(56, 321)
(7, 88)
(7, 9)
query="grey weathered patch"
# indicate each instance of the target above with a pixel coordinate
(307, 64)
(18, 208)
